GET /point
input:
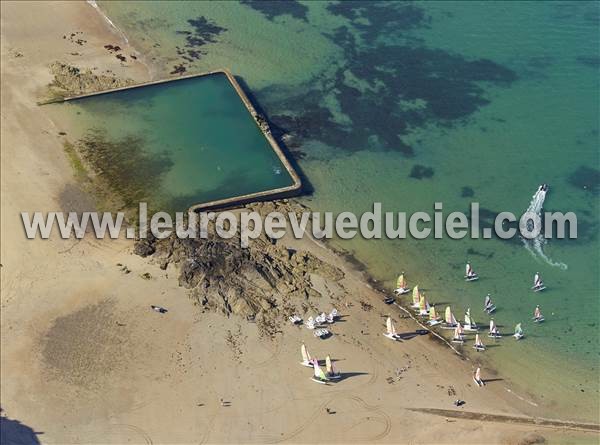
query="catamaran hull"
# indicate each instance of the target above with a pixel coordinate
(490, 310)
(518, 336)
(538, 320)
(479, 348)
(468, 328)
(307, 364)
(538, 289)
(478, 382)
(434, 322)
(402, 290)
(316, 380)
(495, 336)
(334, 377)
(475, 278)
(456, 340)
(391, 337)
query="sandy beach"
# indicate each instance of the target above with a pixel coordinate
(85, 360)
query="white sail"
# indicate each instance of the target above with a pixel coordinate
(478, 341)
(478, 374)
(492, 326)
(468, 317)
(391, 329)
(305, 355)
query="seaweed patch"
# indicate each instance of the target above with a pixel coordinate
(421, 171)
(124, 172)
(202, 32)
(272, 9)
(385, 88)
(586, 178)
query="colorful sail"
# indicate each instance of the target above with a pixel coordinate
(318, 371)
(422, 304)
(416, 295)
(401, 283)
(329, 365)
(432, 314)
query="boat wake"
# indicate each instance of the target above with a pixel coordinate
(536, 245)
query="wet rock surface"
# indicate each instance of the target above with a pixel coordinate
(70, 80)
(266, 282)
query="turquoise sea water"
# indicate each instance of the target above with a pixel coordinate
(414, 103)
(200, 142)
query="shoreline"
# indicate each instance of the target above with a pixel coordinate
(100, 277)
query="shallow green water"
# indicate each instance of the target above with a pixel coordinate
(495, 98)
(201, 140)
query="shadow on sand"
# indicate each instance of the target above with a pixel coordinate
(13, 432)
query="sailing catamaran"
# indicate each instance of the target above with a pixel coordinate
(494, 332)
(470, 324)
(433, 318)
(423, 306)
(416, 297)
(458, 334)
(470, 274)
(449, 320)
(488, 306)
(391, 330)
(306, 358)
(319, 376)
(477, 378)
(537, 315)
(478, 346)
(401, 285)
(518, 332)
(538, 284)
(330, 372)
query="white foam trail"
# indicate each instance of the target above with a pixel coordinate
(93, 4)
(536, 246)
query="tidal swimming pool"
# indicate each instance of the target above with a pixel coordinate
(178, 144)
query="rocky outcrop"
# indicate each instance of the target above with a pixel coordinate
(70, 80)
(265, 282)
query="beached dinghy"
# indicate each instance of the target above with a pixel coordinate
(321, 319)
(470, 325)
(478, 346)
(494, 332)
(470, 274)
(518, 332)
(310, 323)
(488, 305)
(319, 376)
(538, 284)
(322, 333)
(330, 372)
(294, 319)
(433, 318)
(306, 358)
(537, 315)
(391, 330)
(416, 297)
(477, 378)
(458, 334)
(401, 285)
(449, 320)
